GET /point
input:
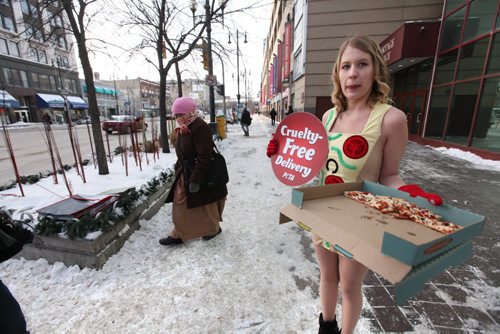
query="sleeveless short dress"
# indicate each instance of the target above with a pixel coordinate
(353, 156)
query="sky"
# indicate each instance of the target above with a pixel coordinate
(256, 276)
(255, 22)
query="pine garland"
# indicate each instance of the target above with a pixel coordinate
(103, 221)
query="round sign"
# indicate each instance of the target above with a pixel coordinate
(302, 148)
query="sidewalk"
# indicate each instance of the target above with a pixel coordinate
(463, 299)
(259, 276)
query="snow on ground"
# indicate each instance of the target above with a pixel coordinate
(257, 276)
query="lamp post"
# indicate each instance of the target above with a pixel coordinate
(208, 20)
(238, 96)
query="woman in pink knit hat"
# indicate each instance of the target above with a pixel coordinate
(196, 211)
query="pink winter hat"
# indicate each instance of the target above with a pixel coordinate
(183, 105)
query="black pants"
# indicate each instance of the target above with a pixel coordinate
(273, 120)
(11, 317)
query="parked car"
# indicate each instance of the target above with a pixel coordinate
(124, 124)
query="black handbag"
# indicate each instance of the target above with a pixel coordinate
(217, 174)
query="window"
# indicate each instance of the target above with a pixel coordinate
(452, 27)
(437, 112)
(14, 49)
(62, 61)
(34, 78)
(494, 62)
(5, 3)
(3, 47)
(488, 117)
(481, 15)
(44, 81)
(38, 55)
(453, 4)
(33, 33)
(298, 66)
(446, 67)
(472, 59)
(424, 73)
(15, 77)
(461, 113)
(25, 7)
(42, 56)
(7, 22)
(61, 42)
(33, 54)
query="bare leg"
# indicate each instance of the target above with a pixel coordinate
(329, 281)
(352, 274)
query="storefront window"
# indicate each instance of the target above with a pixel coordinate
(481, 16)
(412, 78)
(462, 111)
(494, 63)
(400, 81)
(452, 4)
(452, 27)
(487, 130)
(424, 74)
(472, 58)
(446, 67)
(437, 112)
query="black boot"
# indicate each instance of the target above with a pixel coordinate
(327, 327)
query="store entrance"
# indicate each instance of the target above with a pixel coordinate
(413, 105)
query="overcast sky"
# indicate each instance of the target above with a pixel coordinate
(255, 22)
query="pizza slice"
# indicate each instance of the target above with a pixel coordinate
(403, 209)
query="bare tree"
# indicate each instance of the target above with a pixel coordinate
(167, 26)
(79, 18)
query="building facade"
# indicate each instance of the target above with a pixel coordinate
(443, 56)
(37, 63)
(139, 97)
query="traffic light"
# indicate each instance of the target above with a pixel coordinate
(205, 54)
(220, 90)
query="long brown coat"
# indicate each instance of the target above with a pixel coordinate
(197, 144)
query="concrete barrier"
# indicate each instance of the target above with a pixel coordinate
(94, 253)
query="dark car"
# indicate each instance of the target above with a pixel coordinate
(124, 124)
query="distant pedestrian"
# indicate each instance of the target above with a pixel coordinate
(196, 211)
(245, 121)
(273, 116)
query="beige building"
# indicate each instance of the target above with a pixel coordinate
(318, 28)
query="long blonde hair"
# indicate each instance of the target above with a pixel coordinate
(380, 87)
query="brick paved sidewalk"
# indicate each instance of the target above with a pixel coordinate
(465, 299)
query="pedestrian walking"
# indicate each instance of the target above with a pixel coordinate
(273, 116)
(360, 96)
(196, 212)
(245, 121)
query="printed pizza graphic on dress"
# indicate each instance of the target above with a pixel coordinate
(355, 147)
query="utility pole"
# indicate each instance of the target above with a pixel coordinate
(211, 96)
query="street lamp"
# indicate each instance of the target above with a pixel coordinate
(238, 63)
(208, 20)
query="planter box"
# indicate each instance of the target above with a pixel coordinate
(94, 253)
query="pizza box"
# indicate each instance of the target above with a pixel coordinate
(400, 250)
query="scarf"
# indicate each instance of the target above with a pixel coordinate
(184, 122)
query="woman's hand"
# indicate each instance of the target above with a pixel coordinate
(194, 187)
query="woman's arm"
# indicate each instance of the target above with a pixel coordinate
(395, 132)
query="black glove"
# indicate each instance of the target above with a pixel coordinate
(194, 187)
